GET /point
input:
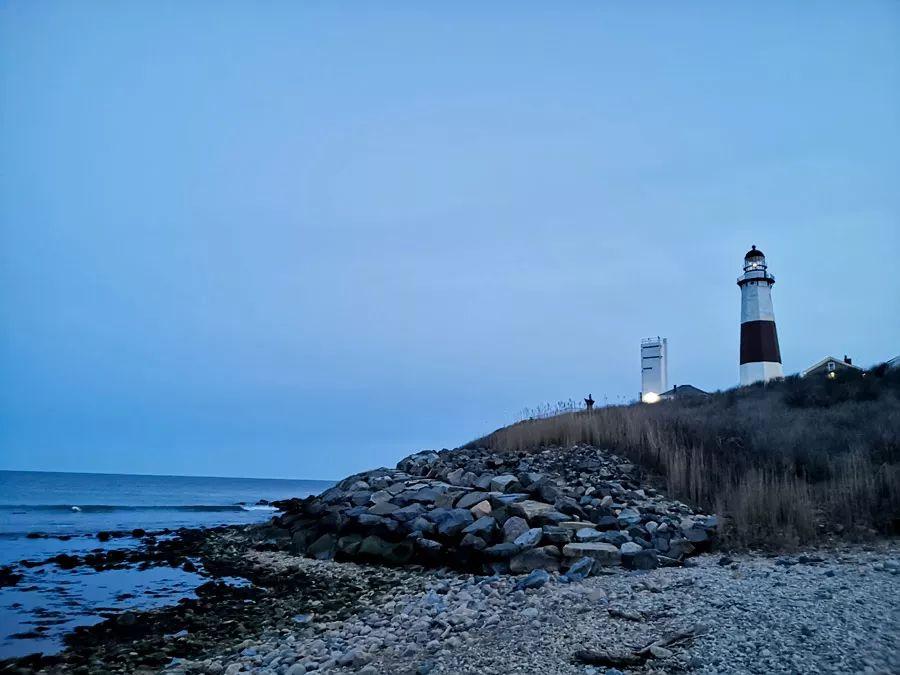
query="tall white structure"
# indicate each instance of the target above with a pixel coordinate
(654, 369)
(760, 355)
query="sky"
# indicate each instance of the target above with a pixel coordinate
(303, 239)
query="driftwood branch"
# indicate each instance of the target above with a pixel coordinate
(602, 657)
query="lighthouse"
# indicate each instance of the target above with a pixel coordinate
(760, 356)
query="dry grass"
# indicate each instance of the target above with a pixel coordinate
(786, 464)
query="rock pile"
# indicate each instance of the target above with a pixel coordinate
(561, 510)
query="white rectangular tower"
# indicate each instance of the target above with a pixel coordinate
(654, 369)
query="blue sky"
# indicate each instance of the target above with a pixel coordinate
(303, 239)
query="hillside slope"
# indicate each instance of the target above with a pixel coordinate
(788, 463)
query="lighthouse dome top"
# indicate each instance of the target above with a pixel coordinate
(754, 253)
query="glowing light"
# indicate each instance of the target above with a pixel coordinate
(831, 375)
(650, 397)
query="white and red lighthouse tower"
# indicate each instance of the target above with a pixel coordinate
(760, 355)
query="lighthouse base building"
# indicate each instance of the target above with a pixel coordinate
(760, 355)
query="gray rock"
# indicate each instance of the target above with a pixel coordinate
(629, 548)
(628, 517)
(455, 476)
(588, 534)
(323, 547)
(530, 538)
(580, 570)
(505, 483)
(503, 551)
(545, 558)
(473, 541)
(535, 579)
(383, 508)
(556, 535)
(484, 527)
(605, 554)
(513, 527)
(645, 559)
(451, 522)
(481, 509)
(470, 499)
(378, 548)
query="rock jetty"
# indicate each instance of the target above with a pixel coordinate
(569, 510)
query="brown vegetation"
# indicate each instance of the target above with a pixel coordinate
(787, 463)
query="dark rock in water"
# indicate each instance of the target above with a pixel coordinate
(188, 566)
(104, 536)
(535, 579)
(35, 535)
(8, 577)
(138, 532)
(544, 558)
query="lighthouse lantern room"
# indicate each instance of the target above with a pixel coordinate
(760, 355)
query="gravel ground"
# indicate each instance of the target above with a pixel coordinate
(834, 611)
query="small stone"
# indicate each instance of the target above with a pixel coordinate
(536, 579)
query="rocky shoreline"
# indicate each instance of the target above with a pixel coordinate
(580, 567)
(500, 513)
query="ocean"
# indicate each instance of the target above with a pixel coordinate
(48, 601)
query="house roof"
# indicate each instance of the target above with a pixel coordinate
(687, 389)
(821, 363)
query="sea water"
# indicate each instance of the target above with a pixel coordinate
(48, 601)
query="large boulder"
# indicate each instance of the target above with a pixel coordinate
(513, 527)
(529, 509)
(484, 527)
(604, 554)
(503, 551)
(378, 549)
(323, 547)
(451, 522)
(543, 558)
(505, 483)
(645, 559)
(470, 499)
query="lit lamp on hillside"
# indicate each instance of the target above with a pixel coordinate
(650, 397)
